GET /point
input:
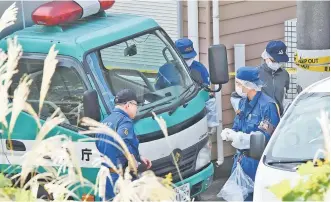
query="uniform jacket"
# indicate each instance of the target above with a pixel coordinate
(275, 83)
(259, 114)
(120, 122)
(169, 75)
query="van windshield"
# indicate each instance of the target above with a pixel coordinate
(149, 65)
(300, 136)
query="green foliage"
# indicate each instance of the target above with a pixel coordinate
(13, 193)
(313, 186)
(281, 188)
(4, 182)
(17, 194)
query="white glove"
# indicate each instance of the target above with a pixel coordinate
(225, 134)
(241, 140)
(228, 134)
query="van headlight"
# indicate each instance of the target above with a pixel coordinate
(204, 156)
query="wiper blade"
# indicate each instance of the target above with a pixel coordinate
(179, 102)
(291, 161)
(285, 162)
(151, 108)
(140, 116)
(160, 104)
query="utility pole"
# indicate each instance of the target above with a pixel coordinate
(313, 41)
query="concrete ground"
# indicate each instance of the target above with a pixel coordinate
(221, 175)
(214, 189)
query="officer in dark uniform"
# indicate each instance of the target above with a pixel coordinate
(121, 121)
(186, 49)
(168, 74)
(273, 74)
(257, 112)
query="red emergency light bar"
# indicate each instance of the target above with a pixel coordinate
(58, 12)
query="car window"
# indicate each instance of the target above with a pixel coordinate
(65, 92)
(147, 64)
(300, 136)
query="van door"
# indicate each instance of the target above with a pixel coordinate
(66, 91)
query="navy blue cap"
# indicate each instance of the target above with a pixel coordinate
(124, 96)
(277, 50)
(185, 47)
(250, 74)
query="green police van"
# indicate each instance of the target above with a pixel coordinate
(100, 54)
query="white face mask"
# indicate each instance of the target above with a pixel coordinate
(240, 92)
(189, 62)
(274, 65)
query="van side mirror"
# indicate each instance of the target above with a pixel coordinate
(218, 64)
(91, 105)
(257, 145)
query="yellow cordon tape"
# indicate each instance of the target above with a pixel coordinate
(312, 61)
(278, 110)
(321, 68)
(148, 71)
(288, 69)
(291, 70)
(318, 64)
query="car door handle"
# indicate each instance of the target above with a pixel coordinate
(16, 145)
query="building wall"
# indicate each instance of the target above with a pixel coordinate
(252, 23)
(28, 7)
(165, 13)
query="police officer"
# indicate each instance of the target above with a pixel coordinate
(257, 113)
(273, 74)
(275, 78)
(121, 121)
(168, 74)
(186, 49)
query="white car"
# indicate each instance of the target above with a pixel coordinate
(296, 140)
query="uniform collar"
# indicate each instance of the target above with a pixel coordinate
(253, 102)
(121, 111)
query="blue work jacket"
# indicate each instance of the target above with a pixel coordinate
(120, 122)
(202, 70)
(260, 114)
(169, 75)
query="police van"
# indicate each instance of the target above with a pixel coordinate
(296, 140)
(100, 54)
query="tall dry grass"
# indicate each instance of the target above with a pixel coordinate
(9, 17)
(56, 154)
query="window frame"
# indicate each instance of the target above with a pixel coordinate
(67, 62)
(118, 41)
(164, 34)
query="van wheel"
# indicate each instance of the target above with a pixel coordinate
(43, 194)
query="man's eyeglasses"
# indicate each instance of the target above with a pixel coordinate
(133, 103)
